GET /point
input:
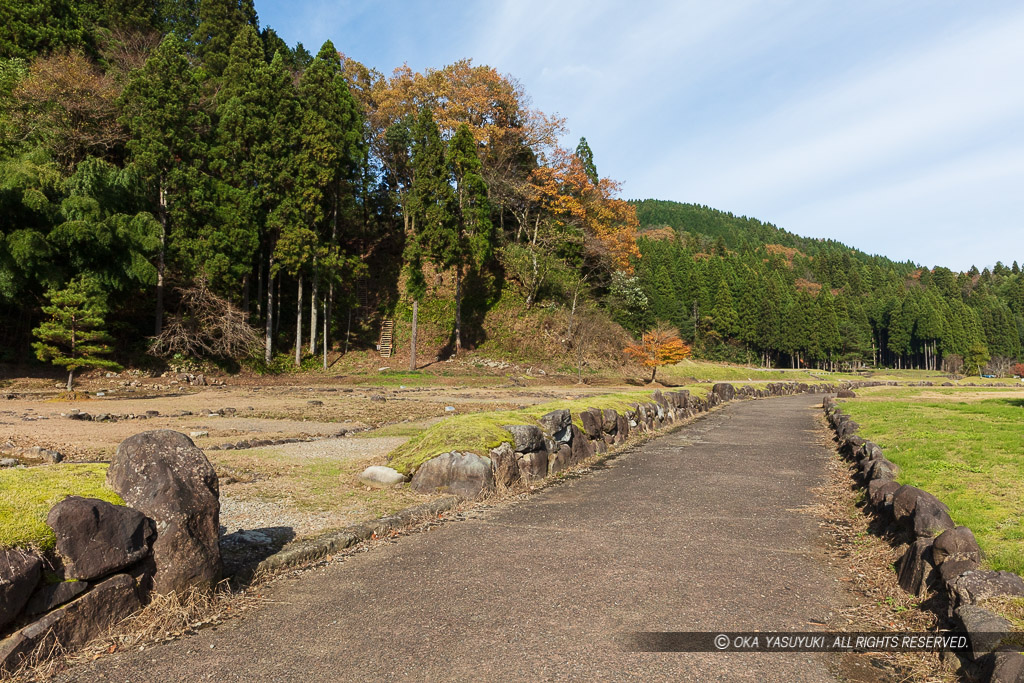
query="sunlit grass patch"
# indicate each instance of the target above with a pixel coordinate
(26, 496)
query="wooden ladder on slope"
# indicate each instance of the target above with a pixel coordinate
(387, 333)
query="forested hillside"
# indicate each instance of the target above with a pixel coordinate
(203, 189)
(740, 287)
(176, 181)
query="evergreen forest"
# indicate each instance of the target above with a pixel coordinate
(177, 181)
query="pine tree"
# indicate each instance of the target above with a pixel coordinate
(274, 166)
(227, 245)
(74, 337)
(220, 21)
(432, 203)
(474, 239)
(161, 109)
(585, 155)
(330, 168)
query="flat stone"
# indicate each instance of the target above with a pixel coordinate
(54, 595)
(74, 624)
(379, 476)
(96, 538)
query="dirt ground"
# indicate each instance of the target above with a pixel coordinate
(342, 425)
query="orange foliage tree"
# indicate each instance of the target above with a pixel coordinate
(660, 346)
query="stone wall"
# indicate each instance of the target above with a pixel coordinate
(940, 557)
(558, 441)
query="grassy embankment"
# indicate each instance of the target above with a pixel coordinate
(964, 446)
(480, 432)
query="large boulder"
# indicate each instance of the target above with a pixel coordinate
(582, 447)
(906, 499)
(556, 423)
(980, 584)
(526, 438)
(166, 477)
(560, 459)
(504, 465)
(610, 420)
(593, 421)
(96, 538)
(984, 629)
(467, 475)
(19, 574)
(879, 490)
(533, 465)
(930, 518)
(956, 544)
(917, 569)
(621, 429)
(724, 391)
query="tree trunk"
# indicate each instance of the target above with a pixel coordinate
(259, 288)
(161, 264)
(458, 310)
(71, 378)
(412, 341)
(298, 326)
(277, 299)
(325, 335)
(312, 312)
(268, 353)
(348, 330)
(654, 371)
(245, 296)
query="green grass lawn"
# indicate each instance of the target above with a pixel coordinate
(729, 372)
(966, 449)
(26, 496)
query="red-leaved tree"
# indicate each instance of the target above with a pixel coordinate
(660, 346)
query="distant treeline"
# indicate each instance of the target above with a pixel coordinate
(741, 286)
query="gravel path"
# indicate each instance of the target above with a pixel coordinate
(702, 530)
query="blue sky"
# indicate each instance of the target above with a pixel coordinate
(895, 127)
